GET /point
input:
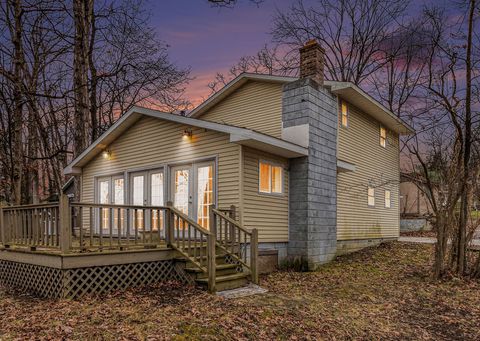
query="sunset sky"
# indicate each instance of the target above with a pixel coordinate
(210, 40)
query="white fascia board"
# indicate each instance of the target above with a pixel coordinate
(298, 135)
(285, 148)
(385, 116)
(128, 119)
(135, 113)
(343, 166)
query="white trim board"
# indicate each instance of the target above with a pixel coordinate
(237, 135)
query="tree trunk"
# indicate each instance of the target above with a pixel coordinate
(465, 207)
(81, 13)
(17, 147)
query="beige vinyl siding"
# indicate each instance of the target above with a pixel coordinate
(152, 143)
(255, 105)
(359, 144)
(268, 213)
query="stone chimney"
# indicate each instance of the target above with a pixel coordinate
(310, 111)
(312, 59)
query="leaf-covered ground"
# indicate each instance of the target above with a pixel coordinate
(380, 293)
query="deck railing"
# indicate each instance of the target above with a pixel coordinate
(79, 227)
(108, 226)
(241, 244)
(31, 225)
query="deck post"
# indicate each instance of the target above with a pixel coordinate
(254, 256)
(232, 215)
(169, 225)
(65, 223)
(3, 234)
(211, 256)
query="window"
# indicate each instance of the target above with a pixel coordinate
(344, 114)
(371, 196)
(388, 200)
(270, 178)
(383, 137)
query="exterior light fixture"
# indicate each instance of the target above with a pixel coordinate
(107, 154)
(187, 133)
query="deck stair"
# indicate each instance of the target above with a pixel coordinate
(222, 255)
(220, 258)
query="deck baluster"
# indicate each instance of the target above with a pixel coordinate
(127, 218)
(119, 226)
(91, 221)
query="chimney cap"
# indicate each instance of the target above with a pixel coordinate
(312, 44)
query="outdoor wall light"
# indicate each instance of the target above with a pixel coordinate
(107, 154)
(187, 133)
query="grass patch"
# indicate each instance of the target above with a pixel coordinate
(383, 292)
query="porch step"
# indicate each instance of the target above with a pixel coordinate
(220, 270)
(227, 282)
(219, 259)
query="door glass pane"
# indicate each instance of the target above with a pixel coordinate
(118, 199)
(118, 189)
(137, 198)
(104, 198)
(156, 190)
(204, 194)
(181, 190)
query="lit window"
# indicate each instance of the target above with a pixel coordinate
(204, 194)
(388, 201)
(371, 196)
(271, 178)
(344, 114)
(383, 137)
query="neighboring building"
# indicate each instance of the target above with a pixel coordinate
(413, 202)
(312, 164)
(415, 209)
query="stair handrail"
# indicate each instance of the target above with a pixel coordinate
(236, 229)
(189, 247)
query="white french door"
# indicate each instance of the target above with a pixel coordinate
(147, 189)
(110, 190)
(182, 194)
(205, 192)
(193, 190)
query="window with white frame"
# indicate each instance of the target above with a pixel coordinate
(383, 136)
(388, 198)
(270, 178)
(371, 196)
(344, 113)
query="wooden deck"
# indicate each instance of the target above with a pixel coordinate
(70, 249)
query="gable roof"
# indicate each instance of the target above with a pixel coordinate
(237, 135)
(353, 94)
(346, 90)
(233, 85)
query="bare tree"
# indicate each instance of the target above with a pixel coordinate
(352, 33)
(81, 64)
(231, 3)
(269, 60)
(445, 149)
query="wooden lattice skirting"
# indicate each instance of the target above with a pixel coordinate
(74, 283)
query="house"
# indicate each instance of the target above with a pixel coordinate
(304, 166)
(415, 209)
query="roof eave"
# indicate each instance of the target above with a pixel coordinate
(365, 102)
(280, 147)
